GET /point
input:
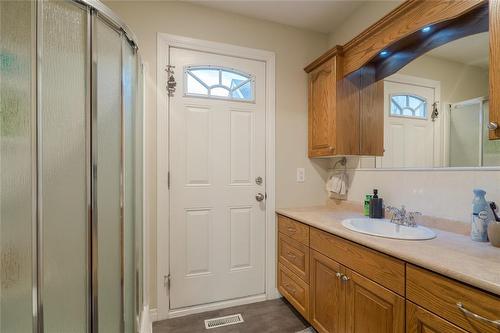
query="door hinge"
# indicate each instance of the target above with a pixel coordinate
(166, 281)
(168, 180)
(171, 83)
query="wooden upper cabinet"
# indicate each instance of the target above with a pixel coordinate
(371, 307)
(322, 108)
(345, 113)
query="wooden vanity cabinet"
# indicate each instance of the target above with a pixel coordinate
(341, 286)
(327, 297)
(419, 320)
(371, 307)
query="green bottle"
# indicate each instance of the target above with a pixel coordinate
(366, 209)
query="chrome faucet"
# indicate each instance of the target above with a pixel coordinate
(401, 217)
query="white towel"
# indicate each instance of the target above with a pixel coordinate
(337, 185)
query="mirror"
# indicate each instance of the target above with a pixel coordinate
(436, 110)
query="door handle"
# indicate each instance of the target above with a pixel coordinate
(259, 197)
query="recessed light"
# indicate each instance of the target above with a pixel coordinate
(426, 29)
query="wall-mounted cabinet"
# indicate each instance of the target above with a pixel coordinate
(345, 113)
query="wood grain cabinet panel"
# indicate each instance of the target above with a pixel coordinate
(327, 298)
(371, 307)
(294, 255)
(440, 295)
(419, 320)
(344, 113)
(322, 109)
(381, 268)
(293, 229)
(294, 290)
(494, 68)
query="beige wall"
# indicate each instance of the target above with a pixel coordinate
(360, 20)
(294, 48)
(459, 82)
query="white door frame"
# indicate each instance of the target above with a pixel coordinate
(439, 156)
(164, 42)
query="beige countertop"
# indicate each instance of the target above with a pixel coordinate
(451, 254)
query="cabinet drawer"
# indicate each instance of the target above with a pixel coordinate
(294, 255)
(441, 295)
(294, 290)
(419, 320)
(383, 269)
(293, 229)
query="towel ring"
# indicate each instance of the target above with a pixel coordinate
(343, 162)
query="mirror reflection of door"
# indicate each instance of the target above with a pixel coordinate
(409, 131)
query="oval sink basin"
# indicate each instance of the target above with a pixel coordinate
(384, 228)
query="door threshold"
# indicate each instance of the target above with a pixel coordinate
(174, 313)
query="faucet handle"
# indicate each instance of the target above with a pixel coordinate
(412, 218)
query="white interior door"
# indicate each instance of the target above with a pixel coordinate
(409, 132)
(217, 152)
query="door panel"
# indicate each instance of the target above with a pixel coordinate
(409, 141)
(217, 150)
(372, 308)
(327, 299)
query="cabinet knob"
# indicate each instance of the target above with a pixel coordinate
(345, 278)
(493, 125)
(338, 275)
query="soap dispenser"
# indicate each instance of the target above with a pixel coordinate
(376, 206)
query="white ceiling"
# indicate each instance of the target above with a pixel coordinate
(471, 50)
(316, 15)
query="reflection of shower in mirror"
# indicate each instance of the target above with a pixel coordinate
(467, 135)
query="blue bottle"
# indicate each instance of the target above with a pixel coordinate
(481, 216)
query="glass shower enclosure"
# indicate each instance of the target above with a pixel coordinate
(71, 169)
(468, 143)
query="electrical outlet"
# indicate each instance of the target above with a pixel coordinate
(301, 175)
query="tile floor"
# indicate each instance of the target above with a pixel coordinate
(275, 316)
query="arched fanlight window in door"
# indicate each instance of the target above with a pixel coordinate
(408, 105)
(219, 83)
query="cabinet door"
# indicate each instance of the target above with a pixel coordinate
(494, 29)
(419, 320)
(327, 301)
(322, 96)
(371, 307)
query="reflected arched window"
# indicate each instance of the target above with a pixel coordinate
(219, 83)
(406, 105)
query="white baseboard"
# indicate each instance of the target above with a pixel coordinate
(274, 294)
(146, 323)
(213, 306)
(153, 315)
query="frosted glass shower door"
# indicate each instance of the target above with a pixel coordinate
(108, 221)
(129, 114)
(63, 167)
(16, 166)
